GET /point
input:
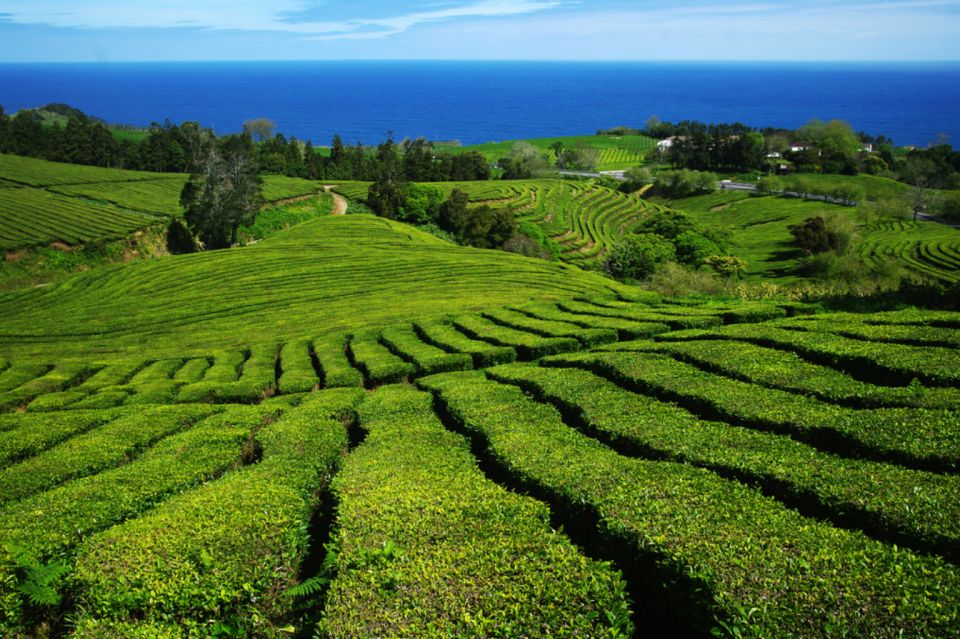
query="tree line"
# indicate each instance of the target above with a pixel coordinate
(77, 138)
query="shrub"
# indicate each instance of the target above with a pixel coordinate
(822, 233)
(639, 256)
(693, 249)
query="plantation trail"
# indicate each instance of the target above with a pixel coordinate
(339, 202)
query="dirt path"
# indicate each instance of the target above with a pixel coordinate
(340, 203)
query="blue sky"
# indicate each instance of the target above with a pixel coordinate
(133, 30)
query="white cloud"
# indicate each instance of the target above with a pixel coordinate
(246, 15)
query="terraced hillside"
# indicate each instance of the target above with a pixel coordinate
(612, 152)
(43, 202)
(719, 469)
(584, 220)
(759, 233)
(325, 275)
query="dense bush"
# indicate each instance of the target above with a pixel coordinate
(639, 256)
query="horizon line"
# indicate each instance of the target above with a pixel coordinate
(504, 60)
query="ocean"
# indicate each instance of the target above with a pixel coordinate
(474, 102)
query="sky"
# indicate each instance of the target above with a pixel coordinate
(178, 30)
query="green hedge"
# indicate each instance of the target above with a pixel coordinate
(298, 376)
(928, 439)
(733, 559)
(447, 338)
(426, 546)
(589, 337)
(625, 329)
(192, 372)
(854, 327)
(51, 524)
(894, 364)
(215, 560)
(57, 379)
(159, 371)
(35, 434)
(96, 450)
(907, 506)
(102, 399)
(635, 313)
(20, 374)
(55, 401)
(378, 364)
(527, 345)
(114, 374)
(428, 359)
(787, 371)
(338, 372)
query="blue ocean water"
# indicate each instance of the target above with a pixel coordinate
(486, 101)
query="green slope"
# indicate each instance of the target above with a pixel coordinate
(325, 275)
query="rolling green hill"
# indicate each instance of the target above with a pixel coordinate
(43, 202)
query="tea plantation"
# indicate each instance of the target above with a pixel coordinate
(354, 428)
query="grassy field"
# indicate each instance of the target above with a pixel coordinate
(613, 152)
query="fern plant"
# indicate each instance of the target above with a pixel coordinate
(38, 582)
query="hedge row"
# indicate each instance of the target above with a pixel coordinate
(99, 449)
(20, 374)
(57, 379)
(299, 375)
(928, 439)
(626, 329)
(111, 375)
(589, 337)
(527, 345)
(446, 337)
(642, 314)
(378, 364)
(52, 523)
(338, 372)
(159, 371)
(426, 546)
(215, 561)
(404, 342)
(910, 335)
(908, 506)
(894, 364)
(225, 370)
(742, 562)
(790, 372)
(35, 434)
(55, 401)
(193, 371)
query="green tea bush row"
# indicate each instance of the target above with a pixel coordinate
(426, 546)
(911, 335)
(378, 364)
(157, 392)
(257, 380)
(733, 559)
(298, 376)
(57, 379)
(105, 447)
(589, 337)
(446, 337)
(52, 523)
(35, 434)
(403, 341)
(159, 371)
(927, 439)
(527, 345)
(625, 329)
(338, 372)
(111, 375)
(55, 401)
(895, 503)
(787, 371)
(107, 398)
(217, 559)
(192, 372)
(894, 364)
(642, 314)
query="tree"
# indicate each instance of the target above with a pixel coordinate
(693, 249)
(639, 256)
(225, 195)
(824, 233)
(525, 161)
(421, 205)
(482, 226)
(389, 192)
(259, 128)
